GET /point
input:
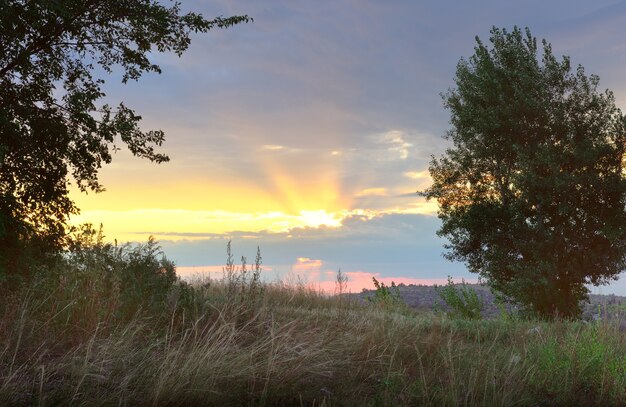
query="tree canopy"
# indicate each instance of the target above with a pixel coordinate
(532, 194)
(52, 127)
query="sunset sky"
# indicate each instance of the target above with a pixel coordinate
(308, 132)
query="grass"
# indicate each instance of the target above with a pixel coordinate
(243, 342)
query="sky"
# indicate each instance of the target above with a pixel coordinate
(308, 132)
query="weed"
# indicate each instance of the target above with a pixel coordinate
(385, 296)
(244, 291)
(72, 338)
(461, 300)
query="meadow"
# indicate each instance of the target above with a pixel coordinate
(113, 325)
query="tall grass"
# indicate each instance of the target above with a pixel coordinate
(239, 341)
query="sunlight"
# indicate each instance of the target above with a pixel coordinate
(192, 210)
(179, 224)
(175, 208)
(320, 218)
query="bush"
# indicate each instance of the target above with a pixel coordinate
(461, 300)
(94, 282)
(386, 296)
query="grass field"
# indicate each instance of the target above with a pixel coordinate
(86, 337)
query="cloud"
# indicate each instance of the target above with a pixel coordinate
(417, 174)
(273, 147)
(306, 265)
(372, 192)
(397, 142)
(412, 194)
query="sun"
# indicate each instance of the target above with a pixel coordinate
(320, 218)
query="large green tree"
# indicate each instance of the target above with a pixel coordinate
(532, 194)
(54, 129)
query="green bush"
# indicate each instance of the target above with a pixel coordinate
(386, 296)
(95, 282)
(461, 300)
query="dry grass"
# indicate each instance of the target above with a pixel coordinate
(287, 345)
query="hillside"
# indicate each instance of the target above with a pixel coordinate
(425, 298)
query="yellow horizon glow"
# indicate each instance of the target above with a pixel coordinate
(182, 224)
(195, 208)
(184, 210)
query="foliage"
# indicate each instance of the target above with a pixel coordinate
(341, 284)
(52, 124)
(385, 296)
(532, 194)
(243, 284)
(580, 360)
(344, 300)
(96, 283)
(462, 300)
(239, 294)
(299, 349)
(508, 311)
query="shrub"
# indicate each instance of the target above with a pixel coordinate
(461, 300)
(386, 296)
(95, 282)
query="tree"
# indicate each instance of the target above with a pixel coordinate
(51, 125)
(532, 194)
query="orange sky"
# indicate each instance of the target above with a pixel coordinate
(156, 200)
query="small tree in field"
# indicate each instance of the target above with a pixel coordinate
(532, 194)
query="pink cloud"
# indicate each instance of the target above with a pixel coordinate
(304, 264)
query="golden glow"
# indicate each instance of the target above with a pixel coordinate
(195, 209)
(179, 224)
(295, 195)
(320, 218)
(285, 196)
